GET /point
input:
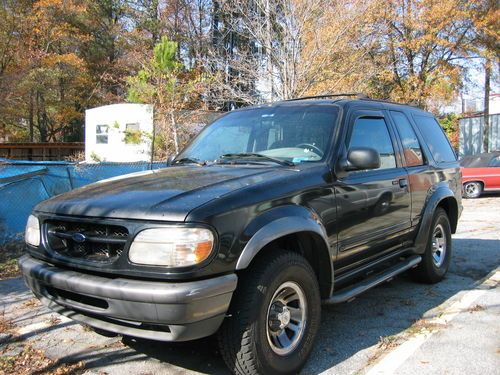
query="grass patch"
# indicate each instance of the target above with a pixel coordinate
(33, 302)
(385, 343)
(53, 320)
(476, 308)
(9, 253)
(34, 361)
(388, 342)
(5, 324)
(424, 325)
(87, 328)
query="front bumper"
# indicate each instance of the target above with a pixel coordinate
(149, 309)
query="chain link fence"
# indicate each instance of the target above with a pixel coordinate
(23, 184)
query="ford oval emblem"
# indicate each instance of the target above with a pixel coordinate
(78, 237)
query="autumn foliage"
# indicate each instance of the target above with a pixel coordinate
(60, 57)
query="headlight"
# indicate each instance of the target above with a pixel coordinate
(171, 247)
(32, 233)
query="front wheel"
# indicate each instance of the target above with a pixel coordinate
(274, 316)
(472, 189)
(436, 259)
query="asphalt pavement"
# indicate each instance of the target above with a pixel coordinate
(400, 327)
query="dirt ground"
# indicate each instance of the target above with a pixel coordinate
(398, 328)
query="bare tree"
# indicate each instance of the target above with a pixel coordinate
(274, 50)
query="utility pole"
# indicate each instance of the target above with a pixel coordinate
(487, 88)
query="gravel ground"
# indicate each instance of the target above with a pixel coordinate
(355, 338)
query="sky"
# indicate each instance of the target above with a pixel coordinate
(474, 87)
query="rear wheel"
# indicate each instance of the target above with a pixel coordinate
(436, 259)
(274, 316)
(472, 189)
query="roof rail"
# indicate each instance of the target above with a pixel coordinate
(358, 95)
(323, 96)
(411, 104)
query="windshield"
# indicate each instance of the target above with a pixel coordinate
(299, 133)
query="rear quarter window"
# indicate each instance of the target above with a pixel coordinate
(435, 138)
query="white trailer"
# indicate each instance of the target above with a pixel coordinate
(119, 133)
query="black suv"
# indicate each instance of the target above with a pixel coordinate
(267, 213)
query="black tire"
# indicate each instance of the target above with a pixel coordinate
(430, 270)
(243, 337)
(473, 189)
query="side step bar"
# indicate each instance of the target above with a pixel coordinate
(349, 293)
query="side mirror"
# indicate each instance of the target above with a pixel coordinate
(361, 158)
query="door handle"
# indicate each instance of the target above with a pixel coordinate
(403, 182)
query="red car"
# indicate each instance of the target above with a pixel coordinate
(480, 173)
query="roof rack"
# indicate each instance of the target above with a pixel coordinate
(323, 96)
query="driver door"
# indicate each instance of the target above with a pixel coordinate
(373, 205)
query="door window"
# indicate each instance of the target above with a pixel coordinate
(372, 132)
(411, 146)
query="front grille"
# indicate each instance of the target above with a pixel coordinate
(86, 241)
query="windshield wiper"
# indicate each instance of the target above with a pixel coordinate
(189, 161)
(248, 155)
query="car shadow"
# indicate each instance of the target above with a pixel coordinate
(350, 328)
(486, 194)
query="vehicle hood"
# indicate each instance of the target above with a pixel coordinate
(166, 194)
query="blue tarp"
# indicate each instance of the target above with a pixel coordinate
(23, 184)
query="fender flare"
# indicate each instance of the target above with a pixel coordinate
(440, 194)
(285, 221)
(274, 230)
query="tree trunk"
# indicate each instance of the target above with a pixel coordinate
(215, 25)
(174, 132)
(269, 49)
(153, 14)
(487, 88)
(30, 119)
(41, 117)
